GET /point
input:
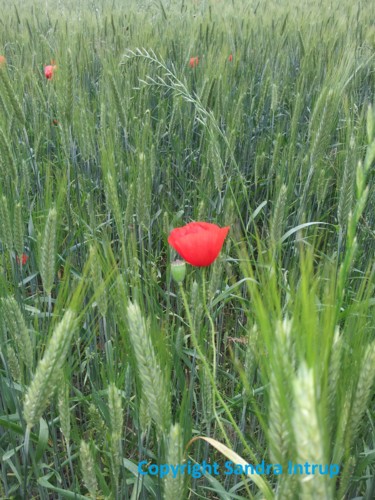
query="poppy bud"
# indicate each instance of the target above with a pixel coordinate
(193, 62)
(23, 259)
(178, 269)
(49, 70)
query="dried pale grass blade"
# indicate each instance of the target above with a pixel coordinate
(236, 459)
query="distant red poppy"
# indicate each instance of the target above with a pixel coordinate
(199, 243)
(49, 70)
(194, 62)
(230, 58)
(24, 258)
(55, 122)
(2, 61)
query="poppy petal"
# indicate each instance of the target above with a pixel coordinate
(199, 243)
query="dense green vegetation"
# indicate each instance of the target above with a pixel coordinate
(268, 354)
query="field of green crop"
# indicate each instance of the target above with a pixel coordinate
(252, 376)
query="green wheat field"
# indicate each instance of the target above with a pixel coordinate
(248, 378)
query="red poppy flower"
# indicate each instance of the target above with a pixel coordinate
(24, 258)
(2, 61)
(230, 58)
(193, 62)
(49, 70)
(199, 243)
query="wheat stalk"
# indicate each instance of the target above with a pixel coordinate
(47, 373)
(153, 382)
(16, 325)
(48, 252)
(88, 469)
(6, 233)
(308, 435)
(174, 487)
(116, 425)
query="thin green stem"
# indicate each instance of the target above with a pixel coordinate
(213, 335)
(212, 380)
